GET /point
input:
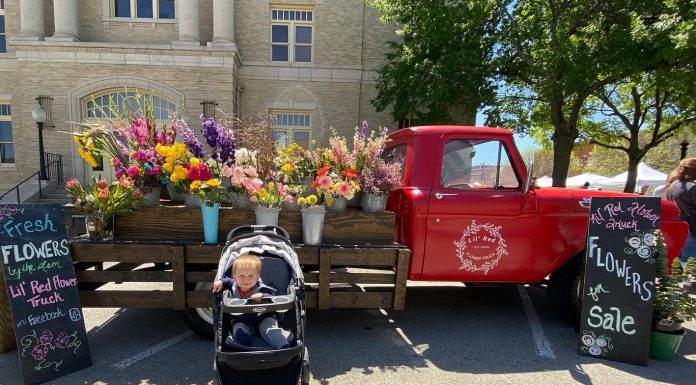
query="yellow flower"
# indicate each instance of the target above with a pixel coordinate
(168, 167)
(301, 201)
(194, 185)
(271, 186)
(263, 193)
(195, 162)
(312, 199)
(213, 183)
(87, 157)
(287, 168)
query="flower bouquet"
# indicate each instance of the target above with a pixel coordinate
(240, 175)
(100, 200)
(297, 168)
(267, 200)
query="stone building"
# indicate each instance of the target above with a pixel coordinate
(311, 63)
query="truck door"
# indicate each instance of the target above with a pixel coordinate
(481, 226)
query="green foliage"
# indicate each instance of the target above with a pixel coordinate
(442, 66)
(672, 299)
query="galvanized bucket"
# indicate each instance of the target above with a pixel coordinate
(241, 201)
(313, 225)
(152, 196)
(267, 216)
(373, 203)
(192, 200)
(338, 204)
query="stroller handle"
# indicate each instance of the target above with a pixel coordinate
(237, 231)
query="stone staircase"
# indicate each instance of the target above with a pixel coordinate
(54, 193)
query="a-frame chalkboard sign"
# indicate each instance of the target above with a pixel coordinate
(619, 283)
(41, 285)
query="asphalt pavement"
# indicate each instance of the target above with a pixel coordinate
(446, 335)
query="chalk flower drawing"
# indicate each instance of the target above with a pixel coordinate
(642, 244)
(7, 212)
(480, 247)
(42, 345)
(595, 345)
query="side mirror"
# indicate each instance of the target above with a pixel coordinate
(528, 182)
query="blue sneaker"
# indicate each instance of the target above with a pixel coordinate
(243, 338)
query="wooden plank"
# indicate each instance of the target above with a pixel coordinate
(181, 223)
(120, 298)
(200, 276)
(179, 278)
(401, 279)
(307, 255)
(363, 278)
(198, 298)
(361, 256)
(324, 280)
(362, 300)
(123, 276)
(121, 252)
(201, 253)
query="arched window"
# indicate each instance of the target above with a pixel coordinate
(111, 104)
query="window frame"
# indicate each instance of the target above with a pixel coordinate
(292, 25)
(474, 169)
(3, 33)
(8, 118)
(134, 12)
(291, 129)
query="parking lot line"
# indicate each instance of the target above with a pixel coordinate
(543, 346)
(150, 351)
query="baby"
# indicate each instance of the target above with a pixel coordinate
(246, 283)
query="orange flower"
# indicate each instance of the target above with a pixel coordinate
(323, 170)
(350, 173)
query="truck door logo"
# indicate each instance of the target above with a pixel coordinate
(480, 247)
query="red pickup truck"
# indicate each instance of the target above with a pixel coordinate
(469, 212)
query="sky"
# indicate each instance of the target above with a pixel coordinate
(523, 142)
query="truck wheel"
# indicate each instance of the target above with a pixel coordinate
(200, 319)
(564, 291)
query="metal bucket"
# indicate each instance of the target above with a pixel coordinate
(374, 203)
(192, 200)
(338, 204)
(241, 201)
(174, 195)
(313, 225)
(267, 216)
(152, 196)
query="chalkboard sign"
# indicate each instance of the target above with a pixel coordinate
(41, 285)
(619, 284)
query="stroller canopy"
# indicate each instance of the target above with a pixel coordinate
(259, 244)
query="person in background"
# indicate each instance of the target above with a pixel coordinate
(643, 189)
(681, 189)
(585, 186)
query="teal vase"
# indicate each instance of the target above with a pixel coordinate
(210, 216)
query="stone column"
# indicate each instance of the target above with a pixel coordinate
(187, 14)
(32, 20)
(223, 23)
(65, 16)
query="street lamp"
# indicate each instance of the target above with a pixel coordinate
(39, 116)
(683, 146)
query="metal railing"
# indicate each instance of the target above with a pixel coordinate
(54, 171)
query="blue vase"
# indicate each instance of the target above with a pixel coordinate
(210, 216)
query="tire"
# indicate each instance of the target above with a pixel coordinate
(564, 291)
(200, 320)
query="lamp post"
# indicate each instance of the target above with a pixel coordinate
(683, 146)
(39, 116)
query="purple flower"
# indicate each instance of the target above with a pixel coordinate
(39, 352)
(220, 140)
(363, 129)
(46, 337)
(189, 138)
(62, 340)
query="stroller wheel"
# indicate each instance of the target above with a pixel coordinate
(305, 375)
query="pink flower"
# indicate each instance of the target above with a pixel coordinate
(73, 183)
(288, 198)
(324, 182)
(258, 183)
(39, 352)
(252, 172)
(116, 162)
(236, 181)
(62, 340)
(125, 182)
(344, 189)
(227, 171)
(238, 172)
(132, 171)
(46, 337)
(253, 199)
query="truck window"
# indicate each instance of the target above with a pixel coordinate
(480, 164)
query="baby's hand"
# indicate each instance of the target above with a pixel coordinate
(217, 286)
(257, 297)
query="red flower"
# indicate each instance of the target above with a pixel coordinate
(350, 173)
(323, 170)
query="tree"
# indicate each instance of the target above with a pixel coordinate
(441, 70)
(637, 115)
(555, 54)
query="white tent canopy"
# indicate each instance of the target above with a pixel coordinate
(579, 180)
(646, 177)
(544, 181)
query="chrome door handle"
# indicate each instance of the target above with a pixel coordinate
(584, 203)
(440, 195)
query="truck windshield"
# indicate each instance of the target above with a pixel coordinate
(477, 164)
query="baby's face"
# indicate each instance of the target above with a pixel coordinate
(246, 277)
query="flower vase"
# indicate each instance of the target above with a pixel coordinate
(191, 200)
(210, 216)
(338, 204)
(174, 195)
(241, 201)
(267, 216)
(375, 203)
(99, 228)
(313, 225)
(152, 196)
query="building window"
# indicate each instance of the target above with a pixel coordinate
(3, 37)
(144, 9)
(288, 127)
(291, 35)
(6, 144)
(114, 104)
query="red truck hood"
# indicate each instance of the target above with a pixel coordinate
(556, 199)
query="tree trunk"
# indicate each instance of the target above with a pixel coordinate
(562, 149)
(632, 174)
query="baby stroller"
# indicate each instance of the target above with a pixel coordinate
(259, 363)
